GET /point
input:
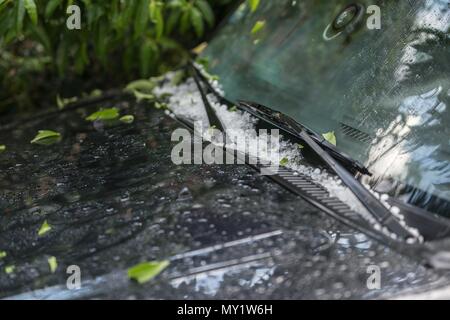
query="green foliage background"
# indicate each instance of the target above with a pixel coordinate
(119, 40)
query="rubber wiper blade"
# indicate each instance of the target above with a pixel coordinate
(214, 120)
(278, 119)
(373, 205)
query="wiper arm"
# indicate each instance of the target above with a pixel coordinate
(374, 206)
(278, 119)
(326, 151)
(267, 113)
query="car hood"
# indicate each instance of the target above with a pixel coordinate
(114, 198)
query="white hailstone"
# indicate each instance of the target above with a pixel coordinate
(384, 197)
(395, 210)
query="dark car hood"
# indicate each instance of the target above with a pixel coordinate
(114, 199)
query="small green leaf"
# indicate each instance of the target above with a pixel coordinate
(53, 264)
(143, 96)
(197, 21)
(330, 137)
(95, 93)
(203, 61)
(141, 85)
(44, 229)
(206, 10)
(300, 146)
(52, 5)
(44, 135)
(127, 119)
(20, 15)
(146, 271)
(2, 148)
(3, 254)
(142, 17)
(172, 21)
(31, 8)
(9, 269)
(259, 25)
(59, 102)
(233, 109)
(152, 10)
(284, 162)
(156, 16)
(62, 103)
(178, 77)
(162, 106)
(254, 4)
(184, 21)
(104, 114)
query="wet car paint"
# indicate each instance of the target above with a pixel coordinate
(114, 198)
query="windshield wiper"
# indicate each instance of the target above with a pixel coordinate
(271, 116)
(373, 205)
(340, 163)
(277, 119)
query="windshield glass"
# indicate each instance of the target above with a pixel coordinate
(384, 92)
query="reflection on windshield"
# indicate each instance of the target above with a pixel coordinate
(384, 92)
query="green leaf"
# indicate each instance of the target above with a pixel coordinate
(62, 57)
(45, 228)
(184, 21)
(300, 146)
(172, 21)
(178, 77)
(161, 106)
(141, 85)
(206, 10)
(254, 4)
(44, 135)
(152, 10)
(197, 21)
(62, 103)
(142, 17)
(143, 96)
(95, 93)
(155, 10)
(2, 148)
(127, 119)
(284, 162)
(10, 269)
(203, 61)
(233, 109)
(148, 54)
(259, 25)
(53, 264)
(104, 114)
(330, 137)
(31, 8)
(159, 20)
(146, 271)
(51, 7)
(3, 254)
(20, 15)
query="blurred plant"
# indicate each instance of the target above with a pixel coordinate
(119, 40)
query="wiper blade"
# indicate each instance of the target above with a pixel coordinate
(260, 111)
(278, 119)
(373, 205)
(210, 112)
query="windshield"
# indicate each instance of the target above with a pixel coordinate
(384, 92)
